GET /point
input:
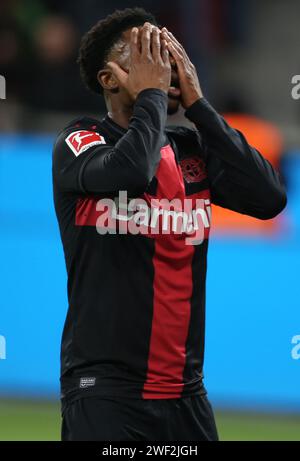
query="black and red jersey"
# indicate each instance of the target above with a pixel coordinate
(136, 316)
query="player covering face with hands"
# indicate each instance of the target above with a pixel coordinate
(153, 59)
(133, 342)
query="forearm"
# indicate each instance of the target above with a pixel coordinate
(132, 162)
(237, 168)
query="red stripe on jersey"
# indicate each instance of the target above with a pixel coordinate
(171, 316)
(172, 293)
(86, 213)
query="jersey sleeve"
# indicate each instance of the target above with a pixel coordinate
(241, 179)
(84, 162)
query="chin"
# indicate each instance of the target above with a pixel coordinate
(173, 106)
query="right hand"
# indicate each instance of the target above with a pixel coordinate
(147, 69)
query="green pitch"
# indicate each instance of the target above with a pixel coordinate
(41, 421)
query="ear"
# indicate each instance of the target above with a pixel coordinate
(107, 80)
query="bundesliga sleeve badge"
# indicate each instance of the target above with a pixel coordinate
(80, 141)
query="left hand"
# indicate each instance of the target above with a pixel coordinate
(188, 78)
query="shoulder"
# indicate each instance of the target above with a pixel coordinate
(79, 135)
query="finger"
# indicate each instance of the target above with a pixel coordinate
(175, 52)
(134, 48)
(176, 46)
(165, 52)
(119, 74)
(146, 33)
(156, 44)
(179, 59)
(172, 37)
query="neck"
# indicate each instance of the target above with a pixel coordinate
(120, 117)
(119, 114)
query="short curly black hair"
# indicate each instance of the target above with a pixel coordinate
(99, 40)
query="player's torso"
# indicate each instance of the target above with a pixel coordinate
(137, 269)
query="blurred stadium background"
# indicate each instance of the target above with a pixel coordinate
(246, 53)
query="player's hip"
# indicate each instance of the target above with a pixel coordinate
(126, 419)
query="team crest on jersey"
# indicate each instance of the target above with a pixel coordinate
(80, 141)
(193, 169)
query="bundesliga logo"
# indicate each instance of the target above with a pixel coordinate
(189, 219)
(81, 140)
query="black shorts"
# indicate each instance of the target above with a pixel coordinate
(112, 419)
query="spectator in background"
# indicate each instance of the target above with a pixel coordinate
(55, 83)
(84, 13)
(39, 40)
(13, 52)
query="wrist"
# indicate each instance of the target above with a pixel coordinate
(152, 90)
(192, 99)
(158, 88)
(200, 112)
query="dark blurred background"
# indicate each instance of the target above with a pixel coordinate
(246, 53)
